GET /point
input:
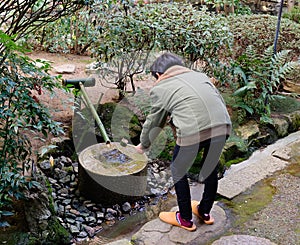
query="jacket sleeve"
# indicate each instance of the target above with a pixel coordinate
(155, 121)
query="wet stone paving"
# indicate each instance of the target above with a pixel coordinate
(85, 219)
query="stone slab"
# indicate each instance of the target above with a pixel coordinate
(156, 231)
(120, 242)
(65, 69)
(242, 240)
(262, 163)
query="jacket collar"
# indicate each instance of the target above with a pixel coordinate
(172, 71)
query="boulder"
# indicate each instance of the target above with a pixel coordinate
(248, 131)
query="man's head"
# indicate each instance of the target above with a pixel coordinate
(163, 63)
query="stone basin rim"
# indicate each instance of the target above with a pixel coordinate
(129, 150)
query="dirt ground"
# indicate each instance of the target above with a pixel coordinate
(60, 103)
(61, 99)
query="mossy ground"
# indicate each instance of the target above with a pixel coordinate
(285, 105)
(244, 206)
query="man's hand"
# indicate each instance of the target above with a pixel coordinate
(140, 149)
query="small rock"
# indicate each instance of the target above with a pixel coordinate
(110, 222)
(63, 191)
(68, 208)
(70, 215)
(65, 69)
(99, 215)
(74, 211)
(82, 234)
(60, 209)
(79, 219)
(59, 174)
(70, 221)
(65, 180)
(109, 217)
(89, 230)
(52, 181)
(97, 229)
(84, 214)
(126, 207)
(46, 167)
(74, 230)
(90, 219)
(112, 211)
(66, 201)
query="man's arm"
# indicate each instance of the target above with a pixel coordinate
(155, 121)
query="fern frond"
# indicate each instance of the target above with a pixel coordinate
(241, 91)
(250, 52)
(287, 68)
(280, 57)
(267, 55)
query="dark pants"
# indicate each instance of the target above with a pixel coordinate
(183, 159)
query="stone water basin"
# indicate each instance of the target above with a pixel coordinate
(110, 175)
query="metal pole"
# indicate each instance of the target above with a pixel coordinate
(278, 26)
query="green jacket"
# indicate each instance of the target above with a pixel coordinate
(194, 105)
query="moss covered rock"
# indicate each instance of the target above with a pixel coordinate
(119, 122)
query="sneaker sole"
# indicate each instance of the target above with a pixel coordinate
(195, 211)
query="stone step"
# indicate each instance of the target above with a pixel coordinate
(262, 163)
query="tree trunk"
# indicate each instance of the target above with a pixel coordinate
(76, 34)
(229, 8)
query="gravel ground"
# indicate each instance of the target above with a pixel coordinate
(279, 221)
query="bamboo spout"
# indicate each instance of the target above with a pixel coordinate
(95, 114)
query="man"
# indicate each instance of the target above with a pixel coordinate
(199, 115)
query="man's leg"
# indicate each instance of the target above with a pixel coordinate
(209, 172)
(183, 158)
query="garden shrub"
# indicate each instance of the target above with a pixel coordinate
(293, 15)
(73, 33)
(21, 116)
(126, 40)
(259, 31)
(122, 48)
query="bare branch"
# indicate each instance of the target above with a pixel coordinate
(19, 17)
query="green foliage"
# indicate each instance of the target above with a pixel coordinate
(21, 115)
(126, 39)
(258, 77)
(122, 47)
(293, 15)
(4, 213)
(22, 17)
(119, 121)
(57, 233)
(73, 33)
(239, 7)
(195, 35)
(141, 100)
(259, 31)
(218, 3)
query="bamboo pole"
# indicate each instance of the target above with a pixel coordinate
(94, 113)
